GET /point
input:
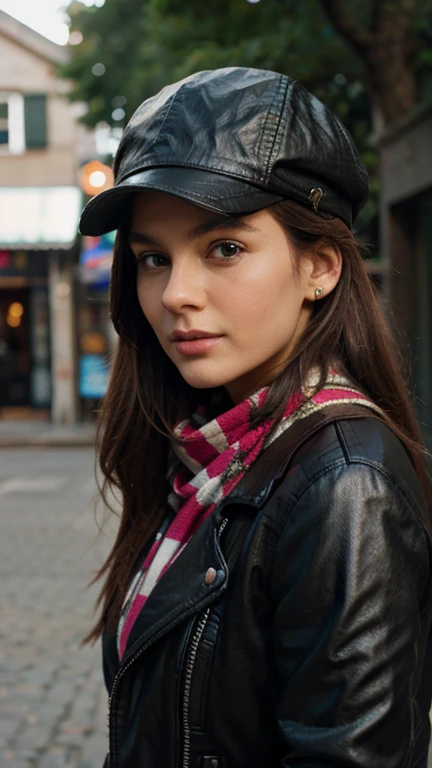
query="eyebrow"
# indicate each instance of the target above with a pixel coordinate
(204, 228)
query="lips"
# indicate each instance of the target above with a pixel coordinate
(194, 342)
(192, 335)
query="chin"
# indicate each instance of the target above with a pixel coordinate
(204, 380)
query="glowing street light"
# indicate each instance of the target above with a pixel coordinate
(16, 309)
(96, 177)
(13, 322)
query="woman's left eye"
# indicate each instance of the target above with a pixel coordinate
(227, 250)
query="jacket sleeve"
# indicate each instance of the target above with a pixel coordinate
(350, 572)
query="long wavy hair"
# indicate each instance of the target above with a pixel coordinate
(146, 394)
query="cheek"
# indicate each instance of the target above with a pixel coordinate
(267, 294)
(148, 302)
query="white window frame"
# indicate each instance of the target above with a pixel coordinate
(16, 128)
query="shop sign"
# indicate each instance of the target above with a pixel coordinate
(93, 378)
(96, 260)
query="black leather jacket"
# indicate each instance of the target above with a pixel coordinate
(311, 648)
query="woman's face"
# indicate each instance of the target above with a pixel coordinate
(223, 297)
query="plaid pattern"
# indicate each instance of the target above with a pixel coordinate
(212, 458)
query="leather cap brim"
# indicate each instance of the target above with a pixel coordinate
(213, 191)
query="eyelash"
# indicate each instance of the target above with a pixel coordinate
(141, 258)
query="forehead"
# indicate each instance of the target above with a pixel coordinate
(149, 205)
(157, 213)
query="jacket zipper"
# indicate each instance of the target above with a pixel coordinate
(190, 663)
(187, 685)
(121, 672)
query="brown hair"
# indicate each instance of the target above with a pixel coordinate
(145, 389)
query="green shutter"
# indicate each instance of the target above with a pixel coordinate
(4, 123)
(35, 120)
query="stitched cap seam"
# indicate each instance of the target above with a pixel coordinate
(282, 93)
(263, 139)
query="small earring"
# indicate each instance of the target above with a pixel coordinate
(318, 292)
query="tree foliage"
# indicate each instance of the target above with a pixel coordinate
(336, 48)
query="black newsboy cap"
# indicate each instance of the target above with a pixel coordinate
(234, 140)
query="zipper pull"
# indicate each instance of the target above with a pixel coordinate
(222, 527)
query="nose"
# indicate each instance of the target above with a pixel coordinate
(185, 287)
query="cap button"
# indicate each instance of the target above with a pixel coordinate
(210, 576)
(315, 196)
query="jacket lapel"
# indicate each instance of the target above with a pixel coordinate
(182, 590)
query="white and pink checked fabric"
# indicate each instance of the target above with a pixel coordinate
(212, 458)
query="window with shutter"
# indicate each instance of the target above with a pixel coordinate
(35, 120)
(4, 122)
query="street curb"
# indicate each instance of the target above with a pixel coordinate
(49, 441)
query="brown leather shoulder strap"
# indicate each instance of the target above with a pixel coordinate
(273, 461)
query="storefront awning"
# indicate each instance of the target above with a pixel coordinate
(36, 218)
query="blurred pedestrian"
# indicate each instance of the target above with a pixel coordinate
(267, 601)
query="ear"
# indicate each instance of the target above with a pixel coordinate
(323, 268)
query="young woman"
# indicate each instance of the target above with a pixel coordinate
(267, 601)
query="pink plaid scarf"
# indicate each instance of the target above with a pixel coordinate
(208, 464)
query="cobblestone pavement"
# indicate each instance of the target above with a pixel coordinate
(52, 699)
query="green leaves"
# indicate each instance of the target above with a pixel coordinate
(145, 44)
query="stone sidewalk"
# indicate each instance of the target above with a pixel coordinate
(15, 434)
(53, 704)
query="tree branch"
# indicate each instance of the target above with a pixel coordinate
(358, 37)
(392, 12)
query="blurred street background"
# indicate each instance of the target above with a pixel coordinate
(71, 75)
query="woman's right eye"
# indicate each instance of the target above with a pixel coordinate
(152, 260)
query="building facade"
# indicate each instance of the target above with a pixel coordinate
(406, 226)
(40, 202)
